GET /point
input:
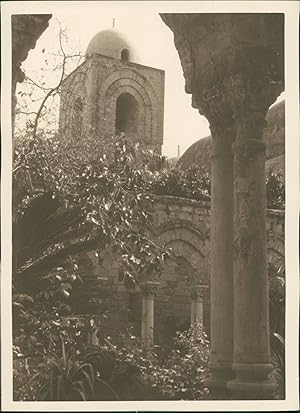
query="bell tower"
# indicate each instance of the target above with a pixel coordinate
(109, 94)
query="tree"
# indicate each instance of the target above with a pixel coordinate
(69, 200)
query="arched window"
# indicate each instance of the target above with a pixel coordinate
(126, 114)
(125, 54)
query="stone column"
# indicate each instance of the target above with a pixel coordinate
(239, 60)
(197, 304)
(221, 270)
(252, 360)
(148, 292)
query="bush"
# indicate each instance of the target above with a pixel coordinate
(124, 372)
(193, 183)
(176, 375)
(275, 188)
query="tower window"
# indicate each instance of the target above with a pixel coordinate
(126, 114)
(125, 54)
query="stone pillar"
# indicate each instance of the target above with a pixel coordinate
(221, 272)
(252, 360)
(197, 304)
(233, 66)
(148, 292)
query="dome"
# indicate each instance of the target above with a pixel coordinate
(197, 153)
(110, 43)
(200, 151)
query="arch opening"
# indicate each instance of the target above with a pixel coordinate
(126, 114)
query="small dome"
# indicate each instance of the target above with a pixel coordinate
(110, 43)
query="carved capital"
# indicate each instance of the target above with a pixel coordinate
(198, 291)
(149, 288)
(250, 97)
(232, 63)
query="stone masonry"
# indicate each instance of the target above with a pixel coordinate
(184, 226)
(91, 93)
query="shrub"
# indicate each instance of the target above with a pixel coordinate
(192, 184)
(275, 188)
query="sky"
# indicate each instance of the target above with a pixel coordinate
(153, 44)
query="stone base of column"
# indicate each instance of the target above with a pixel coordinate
(252, 382)
(219, 376)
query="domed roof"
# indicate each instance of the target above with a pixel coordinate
(200, 151)
(109, 43)
(197, 153)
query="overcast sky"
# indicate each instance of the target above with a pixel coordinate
(153, 43)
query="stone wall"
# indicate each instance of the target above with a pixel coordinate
(98, 82)
(184, 226)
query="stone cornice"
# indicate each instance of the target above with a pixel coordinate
(172, 200)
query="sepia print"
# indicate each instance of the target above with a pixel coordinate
(148, 207)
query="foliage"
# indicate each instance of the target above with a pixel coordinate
(277, 325)
(194, 183)
(124, 372)
(275, 187)
(277, 298)
(177, 374)
(100, 189)
(90, 200)
(62, 377)
(182, 376)
(278, 359)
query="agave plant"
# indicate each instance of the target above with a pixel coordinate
(64, 377)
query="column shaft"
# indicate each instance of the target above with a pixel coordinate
(197, 303)
(197, 310)
(221, 277)
(148, 289)
(147, 320)
(252, 362)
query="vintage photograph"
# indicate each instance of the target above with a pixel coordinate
(148, 205)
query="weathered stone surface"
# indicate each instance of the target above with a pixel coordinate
(99, 83)
(26, 29)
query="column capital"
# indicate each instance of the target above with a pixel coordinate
(250, 97)
(227, 57)
(198, 291)
(149, 288)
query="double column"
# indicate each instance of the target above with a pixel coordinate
(240, 340)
